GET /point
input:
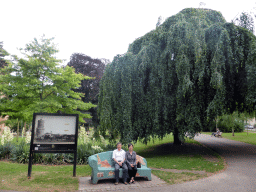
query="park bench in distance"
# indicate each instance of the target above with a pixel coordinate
(103, 167)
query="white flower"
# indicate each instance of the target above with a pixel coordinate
(28, 137)
(2, 140)
(7, 135)
(97, 148)
(83, 135)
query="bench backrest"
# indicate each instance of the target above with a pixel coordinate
(105, 159)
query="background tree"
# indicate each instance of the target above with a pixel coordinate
(39, 84)
(88, 66)
(245, 20)
(178, 78)
(3, 53)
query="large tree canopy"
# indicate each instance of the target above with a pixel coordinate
(39, 84)
(179, 77)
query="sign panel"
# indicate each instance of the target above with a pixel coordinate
(53, 133)
(55, 129)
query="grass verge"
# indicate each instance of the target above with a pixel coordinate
(13, 176)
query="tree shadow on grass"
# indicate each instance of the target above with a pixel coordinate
(186, 149)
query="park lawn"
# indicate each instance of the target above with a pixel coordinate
(13, 176)
(158, 153)
(240, 136)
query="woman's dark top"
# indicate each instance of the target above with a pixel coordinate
(130, 158)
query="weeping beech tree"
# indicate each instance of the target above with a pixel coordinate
(178, 78)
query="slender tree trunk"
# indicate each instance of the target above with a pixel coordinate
(25, 127)
(216, 123)
(177, 140)
(18, 132)
(247, 127)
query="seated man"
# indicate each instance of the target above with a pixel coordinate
(119, 159)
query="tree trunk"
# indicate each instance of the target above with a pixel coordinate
(177, 140)
(233, 132)
(216, 121)
(18, 132)
(25, 128)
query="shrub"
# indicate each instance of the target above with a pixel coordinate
(20, 152)
(5, 150)
(226, 122)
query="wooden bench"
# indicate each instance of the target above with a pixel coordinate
(102, 166)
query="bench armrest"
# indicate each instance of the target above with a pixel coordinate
(93, 162)
(145, 161)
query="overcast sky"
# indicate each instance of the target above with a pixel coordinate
(98, 28)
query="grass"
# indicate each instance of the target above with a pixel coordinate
(242, 136)
(13, 176)
(174, 178)
(191, 156)
(158, 153)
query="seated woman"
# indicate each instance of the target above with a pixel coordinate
(130, 157)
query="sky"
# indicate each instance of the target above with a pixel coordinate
(97, 28)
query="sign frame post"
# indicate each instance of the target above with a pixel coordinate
(53, 133)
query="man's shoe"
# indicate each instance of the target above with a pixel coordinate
(116, 183)
(125, 183)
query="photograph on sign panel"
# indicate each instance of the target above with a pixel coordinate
(54, 129)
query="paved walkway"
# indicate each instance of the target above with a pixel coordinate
(108, 184)
(240, 174)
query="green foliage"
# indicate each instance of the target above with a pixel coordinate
(39, 84)
(5, 150)
(178, 78)
(246, 21)
(3, 53)
(20, 152)
(227, 122)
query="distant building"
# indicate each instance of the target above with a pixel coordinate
(251, 121)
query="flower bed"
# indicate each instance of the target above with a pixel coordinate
(19, 151)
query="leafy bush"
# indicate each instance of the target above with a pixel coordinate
(20, 152)
(5, 150)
